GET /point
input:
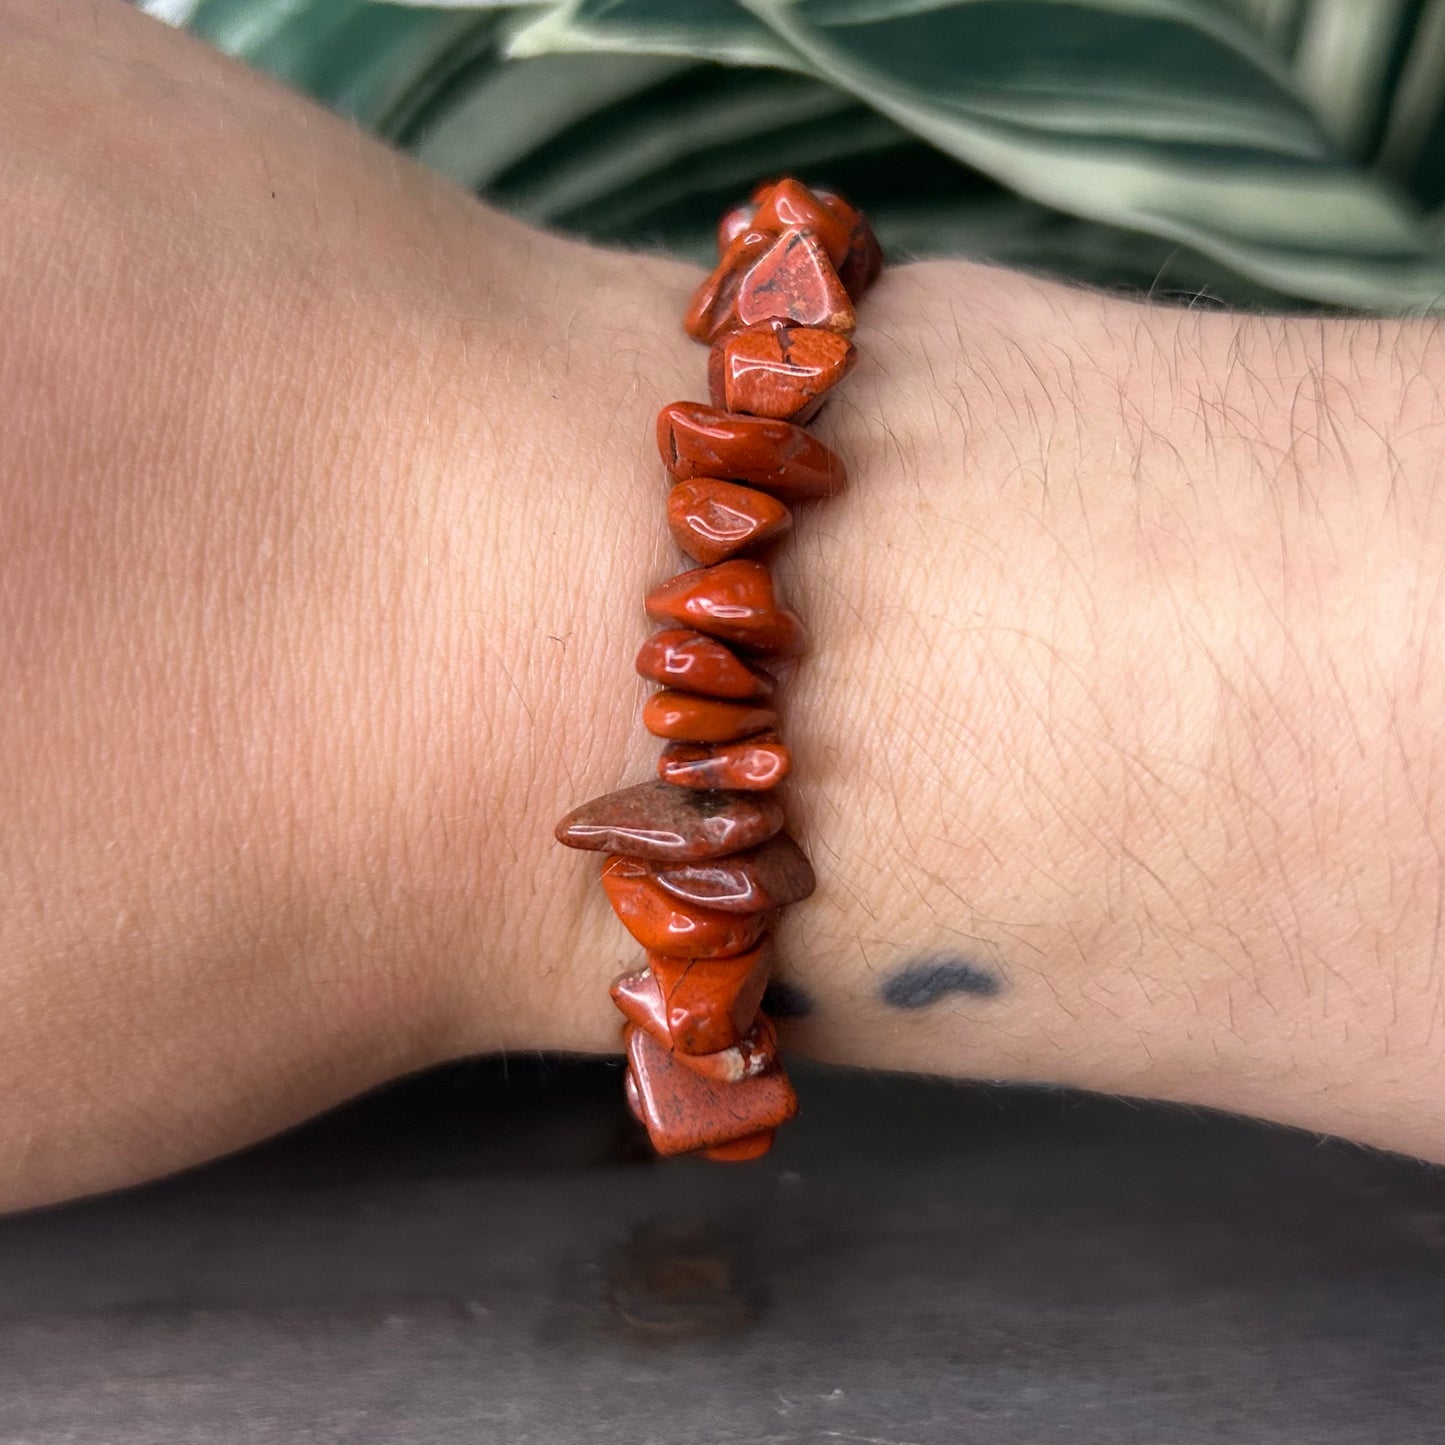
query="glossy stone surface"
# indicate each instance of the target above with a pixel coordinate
(656, 820)
(711, 519)
(638, 997)
(785, 372)
(790, 205)
(710, 1003)
(733, 224)
(751, 765)
(665, 924)
(734, 601)
(792, 281)
(680, 715)
(750, 1056)
(700, 441)
(713, 309)
(770, 876)
(863, 264)
(683, 1111)
(714, 1005)
(740, 1151)
(694, 662)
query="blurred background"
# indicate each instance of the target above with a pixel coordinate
(489, 1253)
(1275, 153)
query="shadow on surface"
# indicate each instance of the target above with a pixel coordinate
(485, 1254)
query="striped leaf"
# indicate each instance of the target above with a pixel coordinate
(1169, 117)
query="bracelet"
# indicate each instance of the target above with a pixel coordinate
(699, 860)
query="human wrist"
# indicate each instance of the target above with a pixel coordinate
(1138, 617)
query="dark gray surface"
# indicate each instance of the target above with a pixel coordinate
(482, 1256)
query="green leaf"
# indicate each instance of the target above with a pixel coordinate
(695, 29)
(1155, 115)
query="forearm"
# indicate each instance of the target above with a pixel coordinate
(1121, 702)
(1123, 706)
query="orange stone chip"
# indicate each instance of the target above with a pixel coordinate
(749, 1057)
(711, 519)
(694, 440)
(754, 1146)
(792, 281)
(750, 765)
(771, 875)
(680, 715)
(734, 601)
(663, 923)
(778, 371)
(710, 1003)
(713, 309)
(699, 1006)
(694, 662)
(683, 1111)
(653, 820)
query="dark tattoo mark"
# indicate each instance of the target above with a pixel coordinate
(926, 980)
(786, 1001)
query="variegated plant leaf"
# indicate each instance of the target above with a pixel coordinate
(717, 30)
(1103, 110)
(1170, 117)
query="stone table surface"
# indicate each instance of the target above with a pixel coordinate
(485, 1254)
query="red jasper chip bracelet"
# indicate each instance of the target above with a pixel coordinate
(698, 860)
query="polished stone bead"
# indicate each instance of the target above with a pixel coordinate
(734, 601)
(733, 224)
(711, 519)
(713, 309)
(779, 371)
(790, 205)
(683, 1111)
(750, 765)
(769, 876)
(740, 1151)
(701, 1010)
(710, 1003)
(863, 263)
(695, 440)
(655, 820)
(665, 924)
(693, 662)
(682, 716)
(638, 997)
(752, 1055)
(792, 281)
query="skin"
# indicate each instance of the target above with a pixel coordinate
(326, 509)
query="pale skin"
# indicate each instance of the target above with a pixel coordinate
(326, 509)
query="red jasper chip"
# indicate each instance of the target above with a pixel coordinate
(639, 999)
(693, 662)
(771, 875)
(663, 923)
(680, 715)
(750, 1056)
(694, 440)
(713, 309)
(790, 205)
(734, 601)
(733, 224)
(750, 765)
(710, 1003)
(740, 1151)
(655, 820)
(711, 519)
(683, 1111)
(863, 264)
(778, 371)
(701, 1010)
(793, 281)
